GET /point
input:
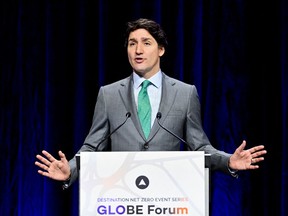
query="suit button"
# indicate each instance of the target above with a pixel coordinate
(146, 146)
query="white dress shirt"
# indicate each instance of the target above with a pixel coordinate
(154, 91)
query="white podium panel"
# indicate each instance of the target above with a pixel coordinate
(142, 183)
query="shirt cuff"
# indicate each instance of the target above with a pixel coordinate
(65, 184)
(233, 173)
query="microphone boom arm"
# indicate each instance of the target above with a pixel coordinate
(128, 114)
(159, 115)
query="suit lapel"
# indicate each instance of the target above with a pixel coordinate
(169, 93)
(127, 95)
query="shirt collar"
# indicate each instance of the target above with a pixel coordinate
(156, 80)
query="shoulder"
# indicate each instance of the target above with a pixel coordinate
(117, 84)
(177, 83)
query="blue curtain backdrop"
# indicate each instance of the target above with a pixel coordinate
(56, 54)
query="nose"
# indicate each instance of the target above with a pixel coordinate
(139, 49)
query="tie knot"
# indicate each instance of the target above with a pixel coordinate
(145, 84)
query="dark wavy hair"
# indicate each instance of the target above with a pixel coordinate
(149, 25)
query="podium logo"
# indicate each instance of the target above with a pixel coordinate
(142, 182)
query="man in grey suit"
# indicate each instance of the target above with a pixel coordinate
(173, 103)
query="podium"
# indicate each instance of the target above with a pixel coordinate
(144, 183)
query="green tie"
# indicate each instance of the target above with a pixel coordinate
(144, 108)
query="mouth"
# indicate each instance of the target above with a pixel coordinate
(139, 60)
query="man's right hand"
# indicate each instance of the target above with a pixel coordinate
(53, 168)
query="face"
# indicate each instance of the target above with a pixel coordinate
(144, 53)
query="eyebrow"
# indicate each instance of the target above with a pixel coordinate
(142, 39)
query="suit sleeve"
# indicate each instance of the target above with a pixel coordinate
(197, 137)
(98, 130)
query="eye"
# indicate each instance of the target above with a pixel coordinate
(131, 44)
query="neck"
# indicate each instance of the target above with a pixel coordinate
(147, 75)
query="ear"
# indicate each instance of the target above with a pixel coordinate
(161, 51)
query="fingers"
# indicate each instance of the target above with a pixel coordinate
(61, 155)
(45, 162)
(241, 147)
(256, 148)
(53, 168)
(44, 169)
(43, 173)
(48, 155)
(41, 165)
(256, 152)
(256, 160)
(48, 159)
(251, 167)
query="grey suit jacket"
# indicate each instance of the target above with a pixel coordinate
(181, 114)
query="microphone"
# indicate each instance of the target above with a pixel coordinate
(128, 114)
(158, 116)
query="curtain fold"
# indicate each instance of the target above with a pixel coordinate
(284, 106)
